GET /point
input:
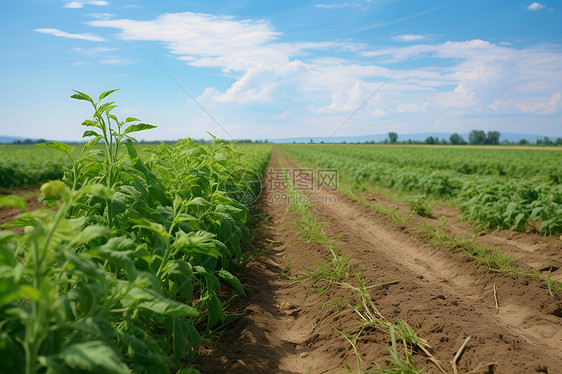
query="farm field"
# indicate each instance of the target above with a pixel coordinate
(416, 260)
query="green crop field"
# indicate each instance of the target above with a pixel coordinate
(124, 275)
(495, 188)
(27, 165)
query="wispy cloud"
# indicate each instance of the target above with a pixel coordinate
(63, 34)
(102, 16)
(338, 5)
(471, 76)
(117, 61)
(93, 51)
(536, 6)
(409, 38)
(80, 3)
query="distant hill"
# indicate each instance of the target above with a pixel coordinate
(419, 136)
(11, 139)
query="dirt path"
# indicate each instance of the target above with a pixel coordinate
(444, 298)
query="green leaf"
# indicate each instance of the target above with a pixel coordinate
(145, 298)
(188, 371)
(90, 133)
(81, 96)
(10, 290)
(232, 280)
(131, 119)
(106, 93)
(93, 357)
(19, 222)
(210, 279)
(93, 141)
(13, 201)
(90, 233)
(138, 127)
(91, 123)
(215, 311)
(99, 190)
(106, 107)
(58, 146)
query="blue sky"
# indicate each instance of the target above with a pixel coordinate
(275, 69)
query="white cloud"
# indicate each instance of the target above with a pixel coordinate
(379, 113)
(117, 61)
(472, 76)
(536, 105)
(337, 5)
(216, 41)
(536, 6)
(80, 3)
(409, 38)
(102, 16)
(93, 51)
(63, 34)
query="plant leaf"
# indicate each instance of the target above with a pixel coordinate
(89, 133)
(93, 141)
(93, 357)
(91, 123)
(232, 280)
(138, 127)
(106, 93)
(58, 146)
(81, 96)
(131, 119)
(13, 201)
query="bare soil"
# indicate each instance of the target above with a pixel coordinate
(285, 327)
(30, 195)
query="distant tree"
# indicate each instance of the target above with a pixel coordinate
(393, 137)
(559, 141)
(493, 138)
(523, 142)
(430, 140)
(456, 139)
(505, 142)
(311, 141)
(477, 137)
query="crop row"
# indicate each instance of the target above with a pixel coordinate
(124, 275)
(489, 201)
(23, 166)
(520, 163)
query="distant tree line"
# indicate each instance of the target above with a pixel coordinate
(29, 141)
(475, 137)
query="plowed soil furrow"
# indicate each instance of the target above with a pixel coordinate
(286, 328)
(450, 297)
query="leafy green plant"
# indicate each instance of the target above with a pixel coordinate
(124, 275)
(418, 206)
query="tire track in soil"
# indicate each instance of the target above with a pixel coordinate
(449, 298)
